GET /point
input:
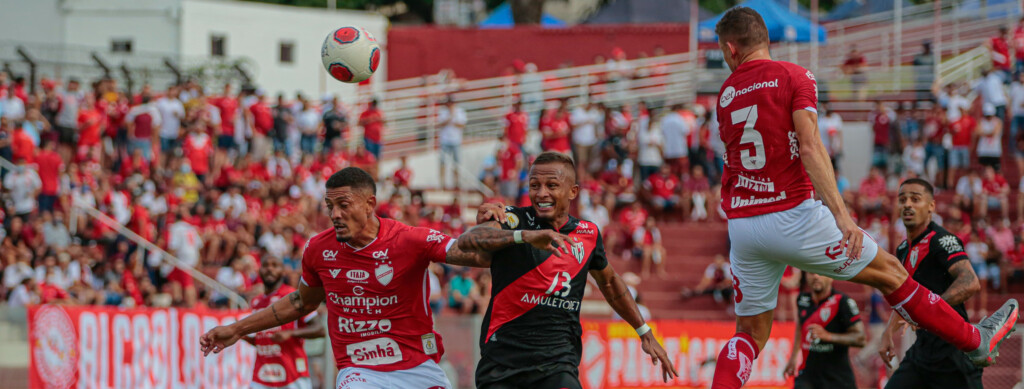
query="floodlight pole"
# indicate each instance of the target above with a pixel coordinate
(897, 41)
(31, 68)
(694, 11)
(814, 35)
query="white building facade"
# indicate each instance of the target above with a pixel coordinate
(278, 46)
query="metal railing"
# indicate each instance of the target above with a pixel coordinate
(78, 207)
(237, 301)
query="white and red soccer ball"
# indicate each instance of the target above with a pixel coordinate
(350, 54)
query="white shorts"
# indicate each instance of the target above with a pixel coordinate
(805, 237)
(301, 383)
(427, 375)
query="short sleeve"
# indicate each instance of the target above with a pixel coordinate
(849, 313)
(598, 259)
(309, 258)
(949, 250)
(436, 244)
(805, 90)
(517, 219)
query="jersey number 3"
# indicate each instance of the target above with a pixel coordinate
(565, 287)
(752, 160)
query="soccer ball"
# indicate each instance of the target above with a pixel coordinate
(350, 54)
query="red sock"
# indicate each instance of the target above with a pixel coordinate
(927, 310)
(734, 362)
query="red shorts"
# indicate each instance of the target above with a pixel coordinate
(180, 277)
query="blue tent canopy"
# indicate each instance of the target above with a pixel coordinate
(855, 8)
(998, 8)
(783, 26)
(501, 17)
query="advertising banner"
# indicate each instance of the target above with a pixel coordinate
(99, 347)
(613, 358)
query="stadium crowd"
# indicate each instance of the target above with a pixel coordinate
(220, 180)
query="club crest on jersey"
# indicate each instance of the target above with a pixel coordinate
(330, 255)
(384, 273)
(513, 220)
(578, 251)
(334, 273)
(825, 313)
(913, 258)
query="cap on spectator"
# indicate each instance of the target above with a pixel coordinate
(988, 109)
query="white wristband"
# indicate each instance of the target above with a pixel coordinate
(517, 236)
(640, 331)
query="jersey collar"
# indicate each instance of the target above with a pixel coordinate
(916, 239)
(380, 231)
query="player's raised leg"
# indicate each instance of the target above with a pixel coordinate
(921, 307)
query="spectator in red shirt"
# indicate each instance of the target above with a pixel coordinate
(648, 240)
(629, 220)
(22, 145)
(662, 190)
(197, 147)
(853, 66)
(90, 126)
(143, 123)
(963, 132)
(403, 176)
(555, 130)
(697, 194)
(999, 50)
(50, 166)
(882, 120)
(363, 159)
(372, 122)
(228, 107)
(262, 123)
(995, 193)
(516, 124)
(510, 163)
(872, 192)
(1018, 46)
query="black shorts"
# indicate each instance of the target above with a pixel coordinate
(490, 375)
(912, 375)
(66, 135)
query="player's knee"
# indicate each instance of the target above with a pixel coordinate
(756, 327)
(887, 273)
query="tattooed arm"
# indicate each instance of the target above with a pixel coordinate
(489, 237)
(298, 304)
(965, 283)
(457, 256)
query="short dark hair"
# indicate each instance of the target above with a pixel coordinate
(549, 157)
(920, 181)
(354, 177)
(743, 26)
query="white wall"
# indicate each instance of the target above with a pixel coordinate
(152, 25)
(256, 30)
(30, 21)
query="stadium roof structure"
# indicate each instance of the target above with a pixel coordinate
(783, 26)
(501, 17)
(855, 8)
(646, 11)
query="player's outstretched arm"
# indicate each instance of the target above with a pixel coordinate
(617, 295)
(819, 169)
(853, 337)
(887, 349)
(459, 257)
(312, 328)
(489, 237)
(790, 370)
(298, 304)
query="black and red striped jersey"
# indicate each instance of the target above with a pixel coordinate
(826, 365)
(927, 258)
(534, 315)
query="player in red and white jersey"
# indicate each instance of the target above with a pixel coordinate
(775, 163)
(372, 273)
(280, 359)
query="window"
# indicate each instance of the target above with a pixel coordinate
(121, 46)
(217, 43)
(286, 52)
